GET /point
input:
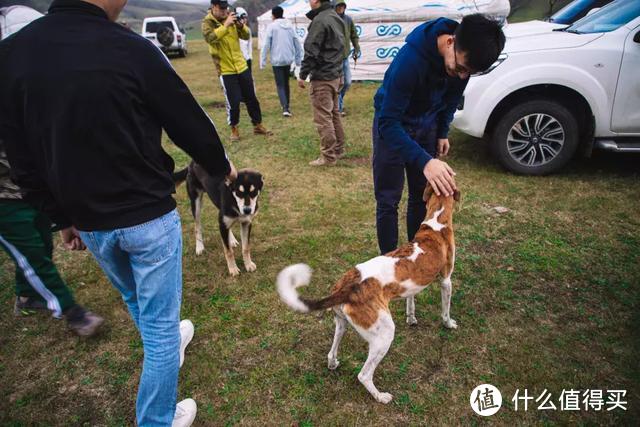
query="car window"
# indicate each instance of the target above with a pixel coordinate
(609, 18)
(575, 10)
(154, 27)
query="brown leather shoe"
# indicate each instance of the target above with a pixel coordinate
(261, 130)
(235, 134)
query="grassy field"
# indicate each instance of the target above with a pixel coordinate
(535, 9)
(546, 295)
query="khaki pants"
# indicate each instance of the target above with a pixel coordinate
(326, 116)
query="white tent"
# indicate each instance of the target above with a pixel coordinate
(13, 18)
(383, 25)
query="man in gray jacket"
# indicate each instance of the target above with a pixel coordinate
(285, 49)
(323, 56)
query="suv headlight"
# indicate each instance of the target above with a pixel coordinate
(500, 60)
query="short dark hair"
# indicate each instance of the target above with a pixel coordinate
(277, 12)
(481, 39)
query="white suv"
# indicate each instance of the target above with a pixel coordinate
(164, 32)
(552, 93)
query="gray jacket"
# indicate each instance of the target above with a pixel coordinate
(283, 43)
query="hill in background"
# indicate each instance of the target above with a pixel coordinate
(189, 15)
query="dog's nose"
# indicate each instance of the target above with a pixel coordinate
(246, 210)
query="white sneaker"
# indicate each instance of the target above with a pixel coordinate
(186, 334)
(185, 413)
(287, 113)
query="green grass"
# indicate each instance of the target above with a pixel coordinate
(546, 295)
(535, 9)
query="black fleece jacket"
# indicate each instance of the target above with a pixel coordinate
(83, 102)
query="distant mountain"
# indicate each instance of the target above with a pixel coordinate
(189, 13)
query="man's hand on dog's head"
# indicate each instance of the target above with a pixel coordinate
(441, 177)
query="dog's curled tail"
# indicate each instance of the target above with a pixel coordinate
(180, 176)
(298, 275)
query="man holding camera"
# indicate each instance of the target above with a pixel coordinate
(222, 30)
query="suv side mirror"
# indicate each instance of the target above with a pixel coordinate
(636, 38)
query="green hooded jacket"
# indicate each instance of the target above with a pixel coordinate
(324, 46)
(350, 32)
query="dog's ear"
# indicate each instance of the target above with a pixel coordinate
(428, 191)
(456, 195)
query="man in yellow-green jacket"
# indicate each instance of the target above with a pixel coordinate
(222, 31)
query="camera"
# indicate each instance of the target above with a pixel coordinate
(240, 14)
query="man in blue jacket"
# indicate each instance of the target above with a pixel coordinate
(285, 49)
(413, 110)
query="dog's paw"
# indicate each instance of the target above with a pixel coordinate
(451, 324)
(384, 397)
(199, 248)
(411, 320)
(250, 266)
(333, 364)
(234, 271)
(232, 240)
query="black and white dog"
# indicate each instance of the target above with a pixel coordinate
(236, 202)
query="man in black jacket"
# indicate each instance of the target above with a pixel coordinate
(83, 102)
(323, 55)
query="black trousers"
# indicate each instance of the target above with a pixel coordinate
(239, 88)
(281, 74)
(388, 181)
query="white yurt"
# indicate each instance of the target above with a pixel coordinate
(13, 18)
(383, 25)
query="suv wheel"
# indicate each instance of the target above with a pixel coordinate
(536, 137)
(165, 36)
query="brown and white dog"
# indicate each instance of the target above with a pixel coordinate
(361, 297)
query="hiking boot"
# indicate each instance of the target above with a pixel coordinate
(185, 413)
(186, 335)
(235, 134)
(261, 130)
(81, 321)
(321, 161)
(24, 304)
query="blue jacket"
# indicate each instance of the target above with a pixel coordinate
(284, 44)
(417, 92)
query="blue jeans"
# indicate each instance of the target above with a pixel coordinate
(281, 74)
(346, 74)
(144, 263)
(388, 181)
